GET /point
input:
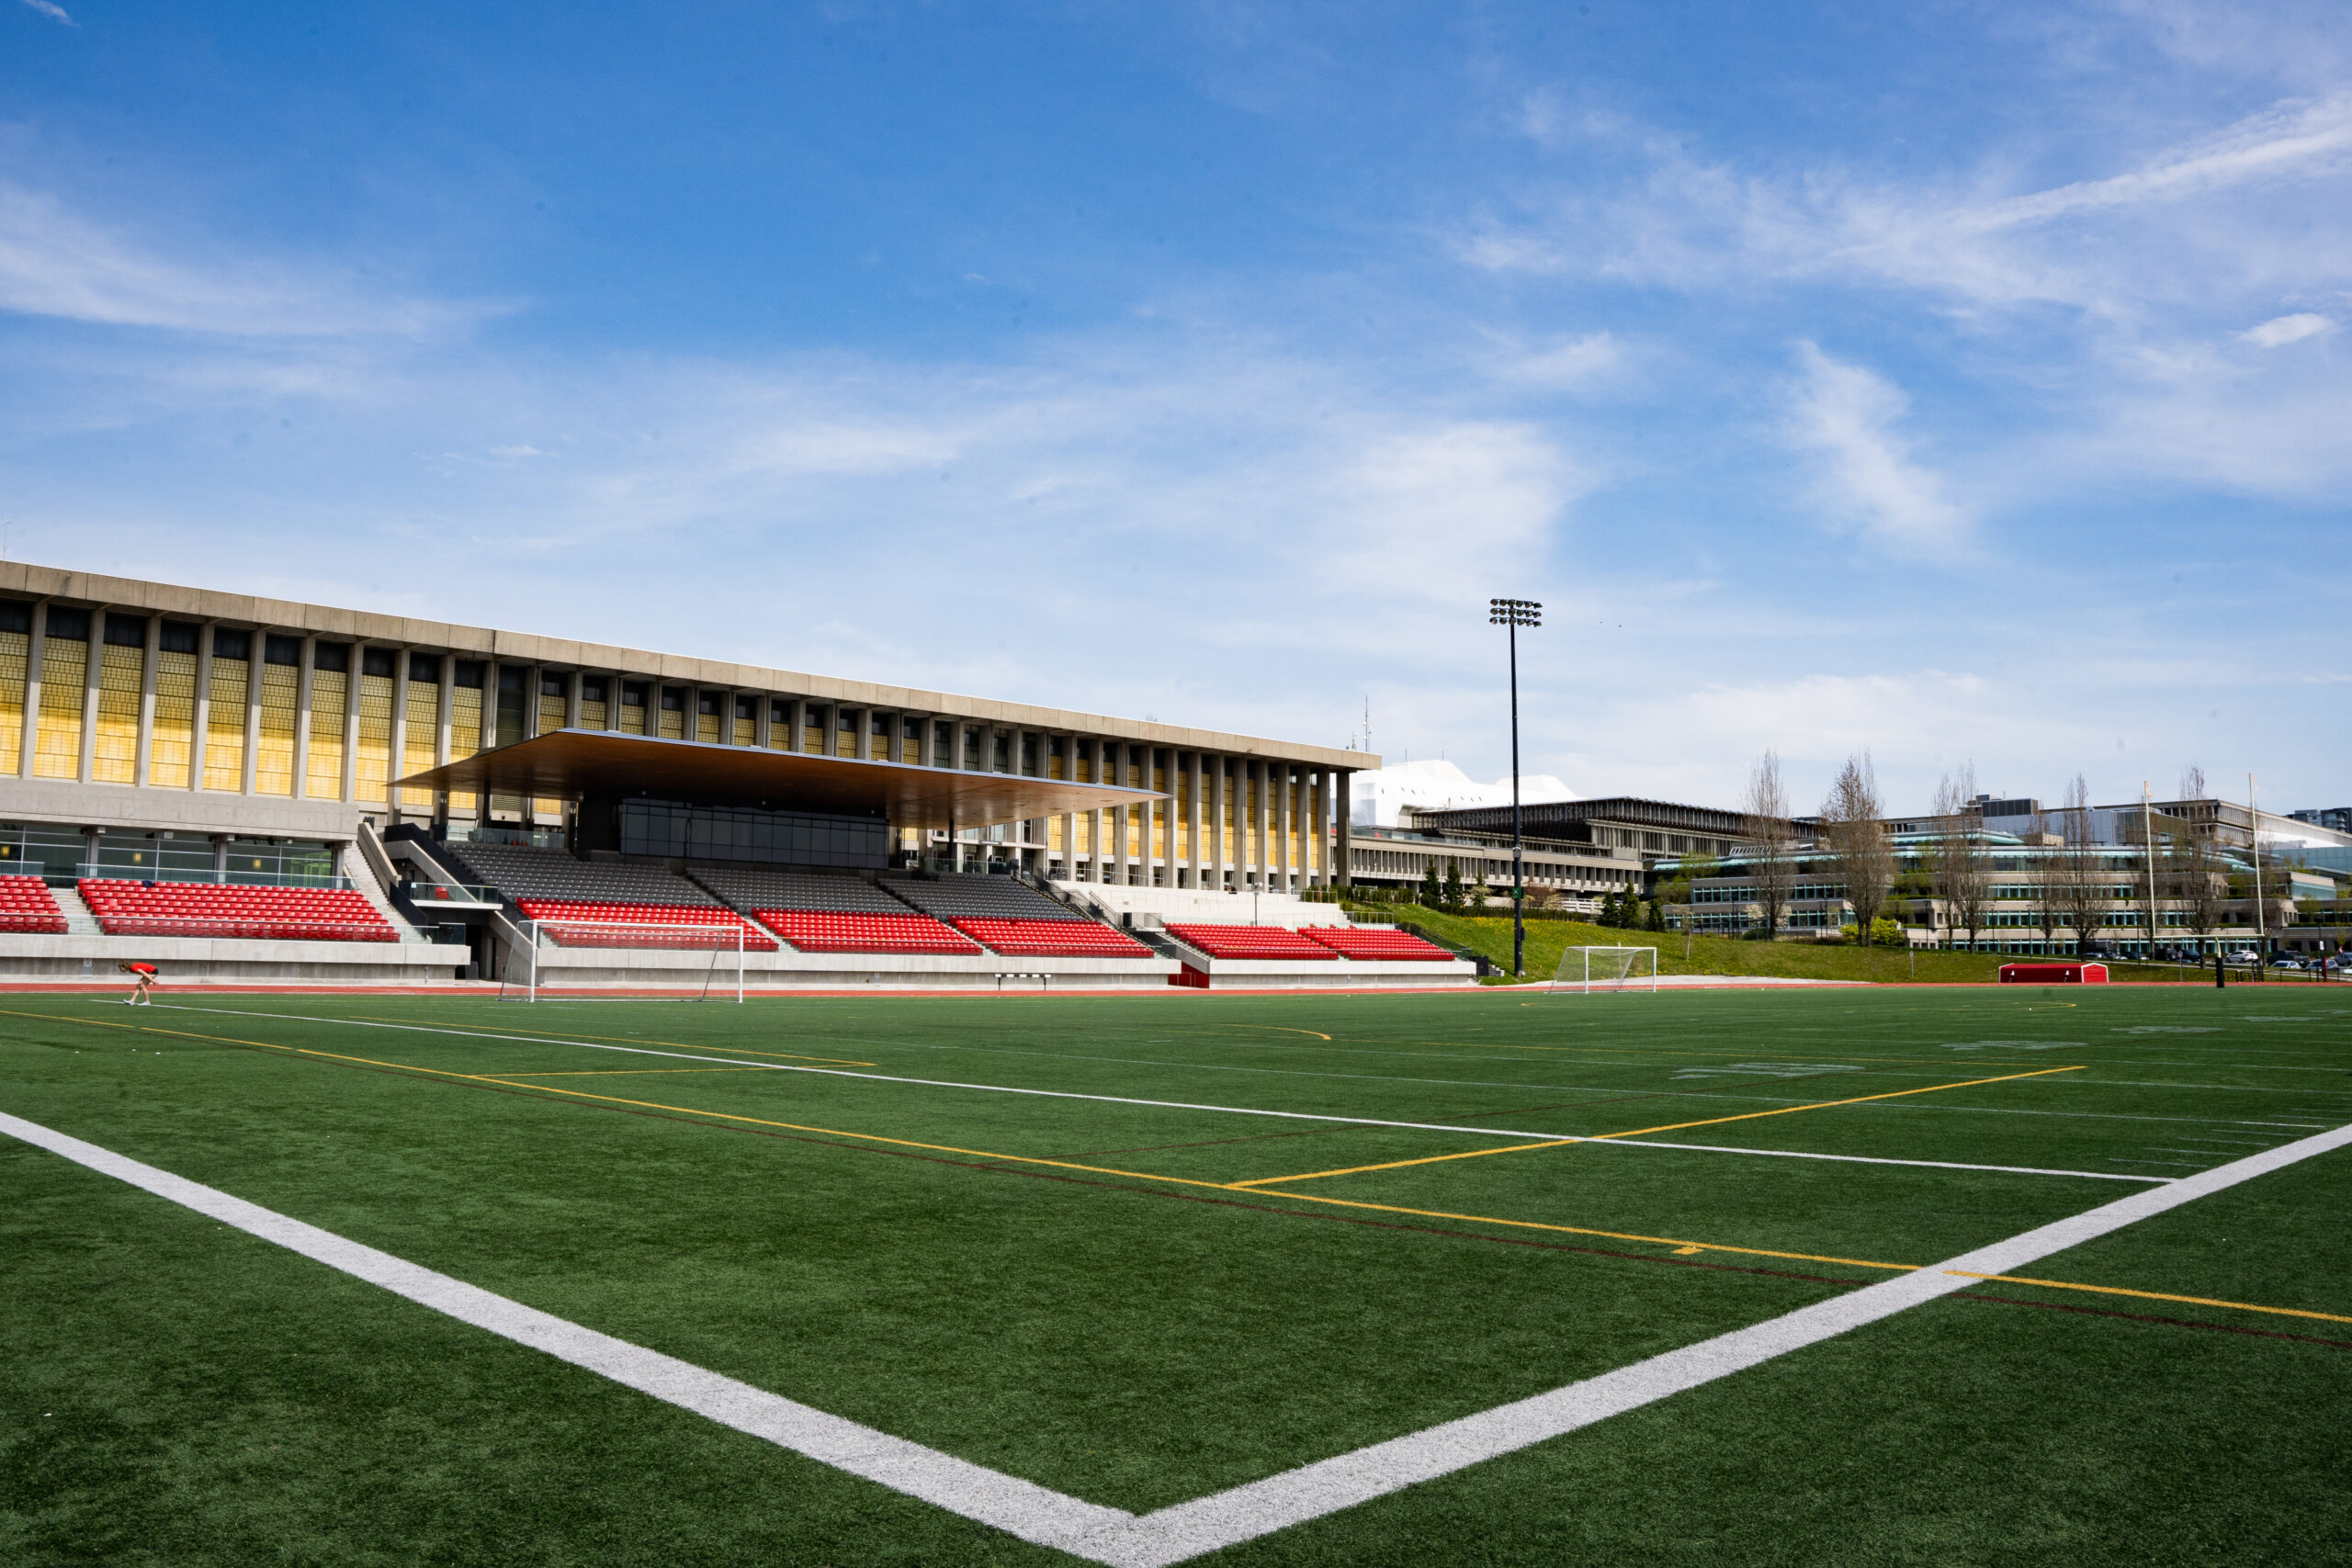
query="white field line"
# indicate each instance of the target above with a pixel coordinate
(1867, 1159)
(1170, 1535)
(1165, 1104)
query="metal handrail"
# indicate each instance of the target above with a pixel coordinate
(210, 875)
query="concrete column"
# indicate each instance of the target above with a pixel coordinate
(94, 656)
(1320, 857)
(397, 748)
(448, 710)
(1069, 844)
(35, 644)
(1340, 812)
(1261, 815)
(570, 700)
(1193, 821)
(1279, 802)
(863, 748)
(301, 716)
(1120, 817)
(800, 725)
(147, 698)
(764, 721)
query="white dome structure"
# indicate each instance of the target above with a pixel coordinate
(1375, 799)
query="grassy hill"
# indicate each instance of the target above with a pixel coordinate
(1546, 940)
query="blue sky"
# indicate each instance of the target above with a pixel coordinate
(1966, 382)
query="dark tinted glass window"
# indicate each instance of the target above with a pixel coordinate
(15, 615)
(511, 681)
(178, 636)
(69, 625)
(424, 667)
(282, 650)
(333, 657)
(376, 662)
(228, 644)
(551, 686)
(127, 631)
(469, 674)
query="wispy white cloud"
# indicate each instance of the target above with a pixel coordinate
(2281, 331)
(53, 11)
(1847, 415)
(58, 263)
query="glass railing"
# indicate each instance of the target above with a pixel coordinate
(437, 892)
(102, 873)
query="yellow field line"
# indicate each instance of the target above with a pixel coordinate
(1676, 1243)
(1827, 1104)
(1557, 1143)
(1398, 1164)
(2152, 1295)
(638, 1072)
(556, 1036)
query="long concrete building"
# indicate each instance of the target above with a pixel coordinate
(156, 725)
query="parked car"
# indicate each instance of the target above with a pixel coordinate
(2243, 956)
(2287, 961)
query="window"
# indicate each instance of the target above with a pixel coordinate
(179, 637)
(126, 631)
(278, 650)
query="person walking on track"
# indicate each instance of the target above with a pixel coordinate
(143, 976)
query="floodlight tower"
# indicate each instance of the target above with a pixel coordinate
(1515, 613)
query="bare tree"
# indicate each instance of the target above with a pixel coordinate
(2199, 883)
(1858, 845)
(1772, 841)
(2084, 892)
(2048, 904)
(1964, 871)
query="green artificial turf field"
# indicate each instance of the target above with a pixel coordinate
(1139, 1304)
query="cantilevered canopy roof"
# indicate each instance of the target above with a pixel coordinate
(572, 764)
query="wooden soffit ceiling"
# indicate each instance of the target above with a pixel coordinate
(572, 764)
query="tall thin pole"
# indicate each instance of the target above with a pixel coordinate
(1518, 888)
(2148, 842)
(1514, 614)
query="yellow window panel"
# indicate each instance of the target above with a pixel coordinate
(373, 764)
(114, 754)
(323, 777)
(172, 740)
(224, 728)
(281, 689)
(15, 648)
(57, 750)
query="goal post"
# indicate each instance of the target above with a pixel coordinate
(1586, 969)
(636, 935)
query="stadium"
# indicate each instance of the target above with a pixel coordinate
(1075, 1180)
(247, 790)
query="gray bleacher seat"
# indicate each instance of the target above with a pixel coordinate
(744, 889)
(521, 873)
(980, 897)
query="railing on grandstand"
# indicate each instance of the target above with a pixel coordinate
(101, 873)
(253, 929)
(433, 890)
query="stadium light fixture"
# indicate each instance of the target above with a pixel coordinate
(1514, 614)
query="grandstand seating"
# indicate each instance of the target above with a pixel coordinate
(820, 913)
(1051, 939)
(955, 897)
(28, 906)
(1252, 941)
(1351, 942)
(697, 926)
(210, 909)
(521, 873)
(832, 931)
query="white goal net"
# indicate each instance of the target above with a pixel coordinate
(725, 944)
(1586, 969)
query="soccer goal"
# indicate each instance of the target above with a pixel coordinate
(1586, 969)
(717, 940)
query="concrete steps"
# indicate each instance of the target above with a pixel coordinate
(79, 922)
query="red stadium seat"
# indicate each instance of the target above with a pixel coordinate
(1252, 942)
(28, 907)
(212, 909)
(1051, 939)
(698, 926)
(1349, 942)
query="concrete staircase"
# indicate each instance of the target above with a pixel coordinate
(79, 922)
(360, 868)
